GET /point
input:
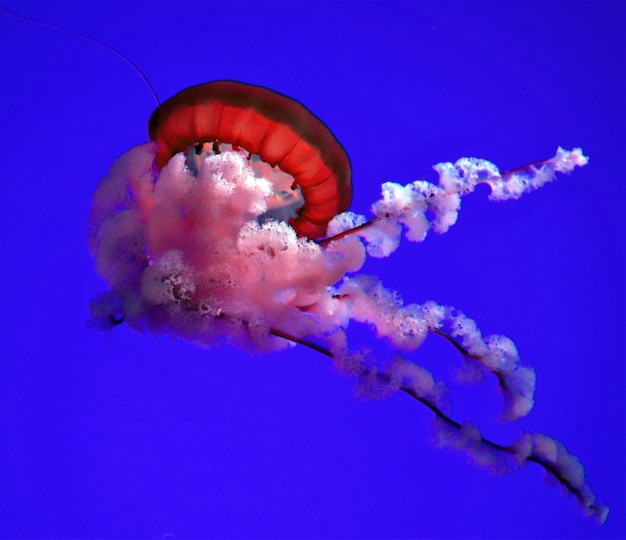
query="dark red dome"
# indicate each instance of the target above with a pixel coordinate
(279, 129)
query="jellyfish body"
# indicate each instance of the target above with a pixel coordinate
(185, 250)
(279, 129)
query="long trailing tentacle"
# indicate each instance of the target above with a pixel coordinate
(406, 205)
(80, 35)
(547, 452)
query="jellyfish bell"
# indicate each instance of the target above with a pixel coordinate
(182, 231)
(280, 130)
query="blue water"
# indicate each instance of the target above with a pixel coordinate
(132, 436)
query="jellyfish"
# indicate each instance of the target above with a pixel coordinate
(231, 226)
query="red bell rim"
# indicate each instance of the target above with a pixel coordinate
(282, 131)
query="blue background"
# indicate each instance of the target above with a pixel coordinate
(128, 435)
